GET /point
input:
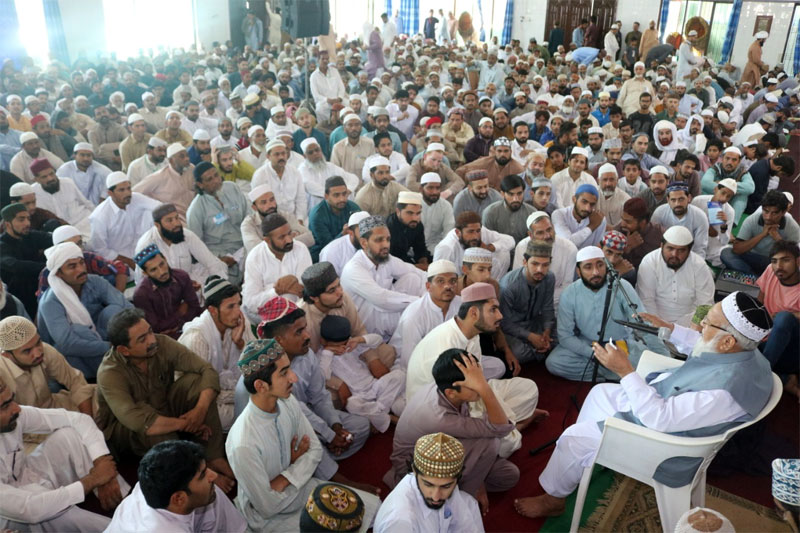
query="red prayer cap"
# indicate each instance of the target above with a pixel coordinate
(635, 207)
(38, 165)
(37, 119)
(274, 309)
(433, 120)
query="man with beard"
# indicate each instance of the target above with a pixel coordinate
(679, 212)
(351, 152)
(172, 184)
(582, 222)
(231, 169)
(31, 150)
(481, 143)
(151, 162)
(225, 137)
(579, 318)
(721, 226)
(22, 254)
(120, 220)
(437, 213)
(88, 174)
(262, 201)
(431, 161)
(470, 233)
(612, 199)
(200, 150)
(407, 231)
(182, 248)
(595, 147)
(522, 146)
(176, 490)
(508, 216)
(315, 172)
(755, 67)
(328, 219)
(380, 284)
(173, 132)
(730, 167)
(273, 268)
(379, 196)
(76, 308)
(642, 236)
(216, 214)
(165, 295)
(655, 195)
(42, 490)
(28, 365)
(726, 374)
(666, 142)
(526, 301)
(61, 196)
(106, 137)
(254, 153)
(135, 414)
(59, 142)
(339, 251)
(567, 181)
(192, 121)
(429, 493)
(154, 115)
(284, 180)
(686, 167)
(135, 145)
(497, 165)
(674, 281)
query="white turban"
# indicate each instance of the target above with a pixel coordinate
(56, 257)
(308, 142)
(115, 178)
(62, 233)
(82, 146)
(258, 192)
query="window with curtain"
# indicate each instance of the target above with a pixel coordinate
(788, 52)
(348, 16)
(715, 13)
(33, 30)
(134, 26)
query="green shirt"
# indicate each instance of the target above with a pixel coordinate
(242, 170)
(135, 398)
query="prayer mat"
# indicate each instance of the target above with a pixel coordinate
(627, 505)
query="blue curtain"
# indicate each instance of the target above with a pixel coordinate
(10, 45)
(389, 10)
(55, 31)
(508, 21)
(409, 16)
(733, 24)
(482, 35)
(664, 15)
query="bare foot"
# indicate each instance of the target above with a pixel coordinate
(373, 430)
(537, 506)
(791, 386)
(538, 414)
(221, 466)
(393, 419)
(224, 482)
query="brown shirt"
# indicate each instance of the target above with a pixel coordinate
(450, 180)
(495, 171)
(136, 398)
(651, 237)
(314, 318)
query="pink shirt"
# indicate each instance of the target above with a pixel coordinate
(778, 297)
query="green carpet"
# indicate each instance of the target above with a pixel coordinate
(602, 479)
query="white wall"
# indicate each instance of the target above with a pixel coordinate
(529, 20)
(84, 28)
(773, 48)
(641, 11)
(212, 22)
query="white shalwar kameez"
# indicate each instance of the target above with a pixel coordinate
(192, 255)
(338, 252)
(134, 515)
(290, 193)
(115, 231)
(68, 203)
(372, 397)
(40, 491)
(314, 180)
(324, 86)
(382, 292)
(562, 264)
(716, 244)
(437, 221)
(202, 337)
(142, 167)
(262, 269)
(450, 248)
(517, 396)
(418, 320)
(259, 450)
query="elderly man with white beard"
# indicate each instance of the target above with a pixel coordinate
(611, 198)
(315, 170)
(724, 383)
(665, 136)
(263, 202)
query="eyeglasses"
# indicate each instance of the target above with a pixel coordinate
(705, 322)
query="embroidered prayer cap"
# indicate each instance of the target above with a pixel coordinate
(536, 215)
(747, 315)
(318, 277)
(728, 183)
(175, 148)
(82, 146)
(369, 224)
(20, 189)
(475, 175)
(15, 331)
(614, 240)
(115, 178)
(308, 141)
(502, 141)
(785, 480)
(538, 249)
(335, 328)
(38, 165)
(258, 192)
(541, 181)
(610, 144)
(213, 285)
(11, 211)
(259, 353)
(332, 507)
(587, 188)
(442, 266)
(145, 255)
(678, 186)
(275, 308)
(155, 142)
(700, 519)
(588, 253)
(408, 197)
(700, 313)
(62, 233)
(478, 292)
(593, 129)
(477, 255)
(439, 455)
(430, 177)
(356, 218)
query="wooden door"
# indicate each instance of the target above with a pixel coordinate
(569, 14)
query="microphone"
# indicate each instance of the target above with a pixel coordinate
(612, 272)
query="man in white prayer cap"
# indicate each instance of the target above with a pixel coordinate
(89, 175)
(352, 152)
(31, 149)
(263, 203)
(755, 66)
(135, 145)
(340, 250)
(437, 213)
(60, 196)
(315, 171)
(154, 159)
(285, 181)
(726, 374)
(172, 184)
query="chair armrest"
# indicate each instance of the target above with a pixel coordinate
(653, 362)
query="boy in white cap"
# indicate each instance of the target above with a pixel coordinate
(673, 281)
(437, 213)
(379, 196)
(135, 145)
(154, 159)
(88, 174)
(41, 219)
(174, 183)
(721, 218)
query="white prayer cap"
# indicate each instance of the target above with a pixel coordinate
(408, 197)
(477, 255)
(789, 196)
(20, 189)
(27, 136)
(115, 178)
(428, 177)
(588, 253)
(258, 192)
(659, 169)
(346, 110)
(639, 64)
(771, 98)
(282, 133)
(723, 116)
(442, 266)
(201, 135)
(762, 35)
(692, 33)
(82, 146)
(274, 143)
(378, 111)
(435, 147)
(579, 151)
(277, 109)
(732, 149)
(60, 254)
(30, 98)
(254, 129)
(146, 95)
(680, 84)
(175, 148)
(308, 142)
(616, 27)
(13, 98)
(357, 217)
(595, 129)
(445, 88)
(484, 120)
(707, 112)
(377, 160)
(751, 142)
(62, 233)
(156, 142)
(678, 236)
(533, 217)
(433, 132)
(702, 519)
(520, 93)
(351, 116)
(133, 117)
(173, 112)
(15, 332)
(747, 315)
(728, 183)
(607, 168)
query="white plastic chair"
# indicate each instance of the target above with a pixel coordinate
(653, 447)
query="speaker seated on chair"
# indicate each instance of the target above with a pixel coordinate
(305, 18)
